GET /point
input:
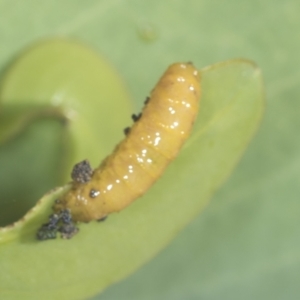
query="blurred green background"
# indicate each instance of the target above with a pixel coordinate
(246, 243)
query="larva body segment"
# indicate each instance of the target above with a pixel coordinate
(150, 145)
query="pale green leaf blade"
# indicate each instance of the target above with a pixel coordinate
(104, 253)
(63, 81)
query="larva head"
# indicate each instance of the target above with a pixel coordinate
(171, 109)
(184, 73)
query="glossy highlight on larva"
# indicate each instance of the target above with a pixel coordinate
(152, 142)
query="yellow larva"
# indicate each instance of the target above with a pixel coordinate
(150, 145)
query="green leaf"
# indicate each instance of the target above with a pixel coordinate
(245, 244)
(69, 85)
(104, 253)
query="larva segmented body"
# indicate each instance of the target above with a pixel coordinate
(150, 145)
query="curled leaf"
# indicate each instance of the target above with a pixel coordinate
(68, 86)
(101, 254)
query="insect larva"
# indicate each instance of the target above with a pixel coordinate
(150, 145)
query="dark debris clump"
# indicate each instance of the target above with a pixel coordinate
(82, 172)
(62, 223)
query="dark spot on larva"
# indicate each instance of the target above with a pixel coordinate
(136, 117)
(94, 193)
(82, 172)
(102, 219)
(147, 100)
(126, 130)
